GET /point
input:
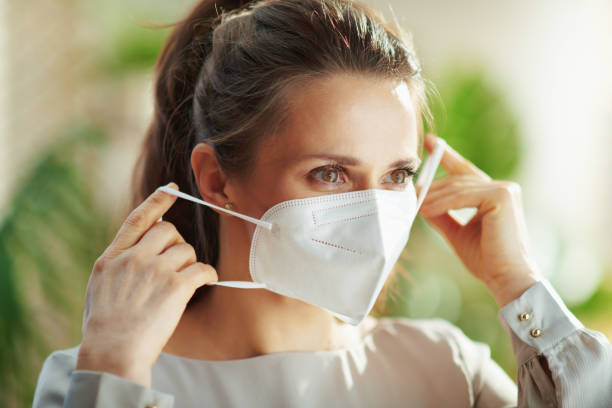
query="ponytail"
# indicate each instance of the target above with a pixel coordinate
(169, 139)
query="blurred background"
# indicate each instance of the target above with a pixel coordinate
(524, 92)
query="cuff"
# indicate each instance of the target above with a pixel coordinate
(537, 320)
(99, 389)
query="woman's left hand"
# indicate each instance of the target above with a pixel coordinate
(493, 245)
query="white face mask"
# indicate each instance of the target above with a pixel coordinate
(334, 251)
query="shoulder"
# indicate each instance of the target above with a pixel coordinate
(54, 377)
(438, 340)
(433, 330)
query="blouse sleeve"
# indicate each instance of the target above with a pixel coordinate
(560, 362)
(60, 385)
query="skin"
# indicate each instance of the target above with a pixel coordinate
(139, 287)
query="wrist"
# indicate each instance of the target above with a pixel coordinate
(112, 362)
(507, 289)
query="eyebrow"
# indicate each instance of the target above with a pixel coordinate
(410, 162)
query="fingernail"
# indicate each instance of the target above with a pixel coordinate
(171, 185)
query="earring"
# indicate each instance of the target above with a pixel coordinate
(228, 206)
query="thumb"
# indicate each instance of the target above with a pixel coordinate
(198, 274)
(445, 224)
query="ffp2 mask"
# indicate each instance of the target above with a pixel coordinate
(334, 251)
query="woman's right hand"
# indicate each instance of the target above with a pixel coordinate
(137, 292)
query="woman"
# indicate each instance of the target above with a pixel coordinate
(284, 105)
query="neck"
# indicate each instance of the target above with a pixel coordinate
(231, 323)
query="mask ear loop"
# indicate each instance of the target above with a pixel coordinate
(265, 224)
(429, 171)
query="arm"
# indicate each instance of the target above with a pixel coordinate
(99, 389)
(560, 362)
(60, 385)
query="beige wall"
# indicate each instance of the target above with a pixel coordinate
(49, 80)
(41, 64)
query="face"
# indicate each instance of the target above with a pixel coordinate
(343, 133)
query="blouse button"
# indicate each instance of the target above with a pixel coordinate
(536, 333)
(524, 316)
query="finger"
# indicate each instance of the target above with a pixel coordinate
(441, 185)
(430, 142)
(453, 162)
(198, 274)
(179, 256)
(142, 217)
(446, 225)
(454, 183)
(158, 238)
(476, 197)
(457, 179)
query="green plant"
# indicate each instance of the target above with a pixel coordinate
(132, 49)
(52, 233)
(474, 116)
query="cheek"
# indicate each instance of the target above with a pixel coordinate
(268, 188)
(257, 193)
(249, 230)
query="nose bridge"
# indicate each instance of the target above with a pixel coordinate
(369, 177)
(368, 182)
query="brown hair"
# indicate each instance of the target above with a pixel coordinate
(222, 78)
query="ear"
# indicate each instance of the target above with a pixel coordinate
(208, 174)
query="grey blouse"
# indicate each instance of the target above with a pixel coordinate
(402, 362)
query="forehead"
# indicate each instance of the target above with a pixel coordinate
(370, 118)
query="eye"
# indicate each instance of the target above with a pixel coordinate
(401, 176)
(329, 174)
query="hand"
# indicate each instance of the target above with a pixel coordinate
(493, 245)
(137, 292)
